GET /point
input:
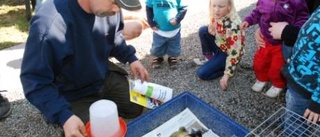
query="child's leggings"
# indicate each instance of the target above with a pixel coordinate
(267, 64)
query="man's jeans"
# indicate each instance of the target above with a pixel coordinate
(295, 125)
(213, 68)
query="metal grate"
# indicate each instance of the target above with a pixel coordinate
(285, 123)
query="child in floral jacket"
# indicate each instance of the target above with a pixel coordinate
(222, 42)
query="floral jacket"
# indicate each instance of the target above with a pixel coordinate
(230, 40)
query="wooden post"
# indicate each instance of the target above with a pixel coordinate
(28, 9)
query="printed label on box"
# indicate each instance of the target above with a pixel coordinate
(142, 100)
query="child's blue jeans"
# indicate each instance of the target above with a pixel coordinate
(207, 41)
(293, 125)
(162, 45)
(215, 67)
(286, 52)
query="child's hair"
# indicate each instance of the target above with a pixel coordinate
(232, 12)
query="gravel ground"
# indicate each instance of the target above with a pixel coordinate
(238, 102)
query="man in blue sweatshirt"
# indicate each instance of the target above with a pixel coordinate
(65, 66)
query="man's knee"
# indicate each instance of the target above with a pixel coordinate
(119, 93)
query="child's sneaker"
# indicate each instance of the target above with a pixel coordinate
(258, 86)
(173, 61)
(200, 61)
(156, 62)
(273, 92)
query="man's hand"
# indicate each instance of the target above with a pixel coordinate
(137, 68)
(276, 29)
(224, 82)
(74, 127)
(311, 116)
(259, 39)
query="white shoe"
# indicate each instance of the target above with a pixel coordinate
(273, 92)
(199, 61)
(258, 86)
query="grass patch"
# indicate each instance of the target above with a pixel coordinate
(13, 23)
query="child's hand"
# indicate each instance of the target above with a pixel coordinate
(224, 81)
(212, 29)
(173, 21)
(244, 25)
(154, 28)
(311, 116)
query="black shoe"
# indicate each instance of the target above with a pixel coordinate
(5, 107)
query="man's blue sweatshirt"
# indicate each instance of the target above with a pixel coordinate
(66, 56)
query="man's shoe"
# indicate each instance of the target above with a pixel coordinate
(258, 86)
(273, 92)
(5, 107)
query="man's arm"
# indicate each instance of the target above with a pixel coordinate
(37, 80)
(121, 51)
(37, 76)
(126, 54)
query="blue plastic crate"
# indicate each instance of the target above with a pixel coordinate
(209, 116)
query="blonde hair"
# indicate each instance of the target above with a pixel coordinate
(232, 12)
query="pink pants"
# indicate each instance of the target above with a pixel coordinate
(267, 64)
